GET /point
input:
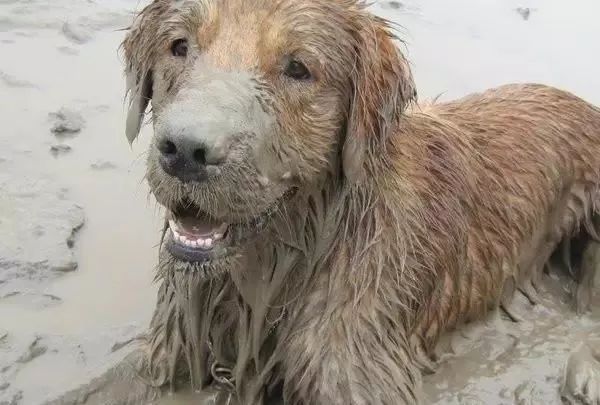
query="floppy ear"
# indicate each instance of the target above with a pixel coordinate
(139, 90)
(382, 87)
(140, 50)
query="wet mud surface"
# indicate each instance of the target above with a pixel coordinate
(78, 230)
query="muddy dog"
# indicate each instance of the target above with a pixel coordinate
(322, 229)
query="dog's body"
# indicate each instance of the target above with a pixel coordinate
(404, 221)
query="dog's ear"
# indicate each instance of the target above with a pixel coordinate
(140, 52)
(139, 91)
(382, 87)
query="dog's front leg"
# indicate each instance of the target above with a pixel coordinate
(351, 355)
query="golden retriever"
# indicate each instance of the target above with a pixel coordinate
(322, 228)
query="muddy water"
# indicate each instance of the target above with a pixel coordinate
(78, 229)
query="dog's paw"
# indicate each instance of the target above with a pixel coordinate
(581, 378)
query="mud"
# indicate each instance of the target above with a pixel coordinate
(77, 245)
(78, 230)
(66, 121)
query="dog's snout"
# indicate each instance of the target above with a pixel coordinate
(211, 123)
(187, 157)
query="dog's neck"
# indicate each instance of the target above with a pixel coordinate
(232, 329)
(234, 319)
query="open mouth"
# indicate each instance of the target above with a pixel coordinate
(195, 236)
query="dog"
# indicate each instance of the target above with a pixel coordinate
(322, 227)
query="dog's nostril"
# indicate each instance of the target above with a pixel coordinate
(167, 147)
(200, 156)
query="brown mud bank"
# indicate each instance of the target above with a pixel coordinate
(78, 230)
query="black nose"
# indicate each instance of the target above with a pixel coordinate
(186, 159)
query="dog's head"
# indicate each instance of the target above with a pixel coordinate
(254, 102)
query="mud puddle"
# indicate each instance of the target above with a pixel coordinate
(78, 230)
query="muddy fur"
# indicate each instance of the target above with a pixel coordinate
(409, 219)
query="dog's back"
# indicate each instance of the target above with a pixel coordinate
(535, 171)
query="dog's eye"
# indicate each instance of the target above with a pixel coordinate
(296, 70)
(179, 48)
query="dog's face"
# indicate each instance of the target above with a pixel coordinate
(253, 102)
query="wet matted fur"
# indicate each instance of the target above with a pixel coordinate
(407, 219)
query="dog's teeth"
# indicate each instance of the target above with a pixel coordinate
(203, 242)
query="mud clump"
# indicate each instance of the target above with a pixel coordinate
(39, 228)
(524, 12)
(77, 33)
(66, 122)
(35, 350)
(68, 50)
(581, 379)
(12, 81)
(15, 400)
(60, 149)
(103, 165)
(35, 301)
(393, 5)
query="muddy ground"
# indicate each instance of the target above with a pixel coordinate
(78, 230)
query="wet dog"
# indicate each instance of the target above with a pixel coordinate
(322, 228)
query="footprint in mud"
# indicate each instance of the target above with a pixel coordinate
(581, 379)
